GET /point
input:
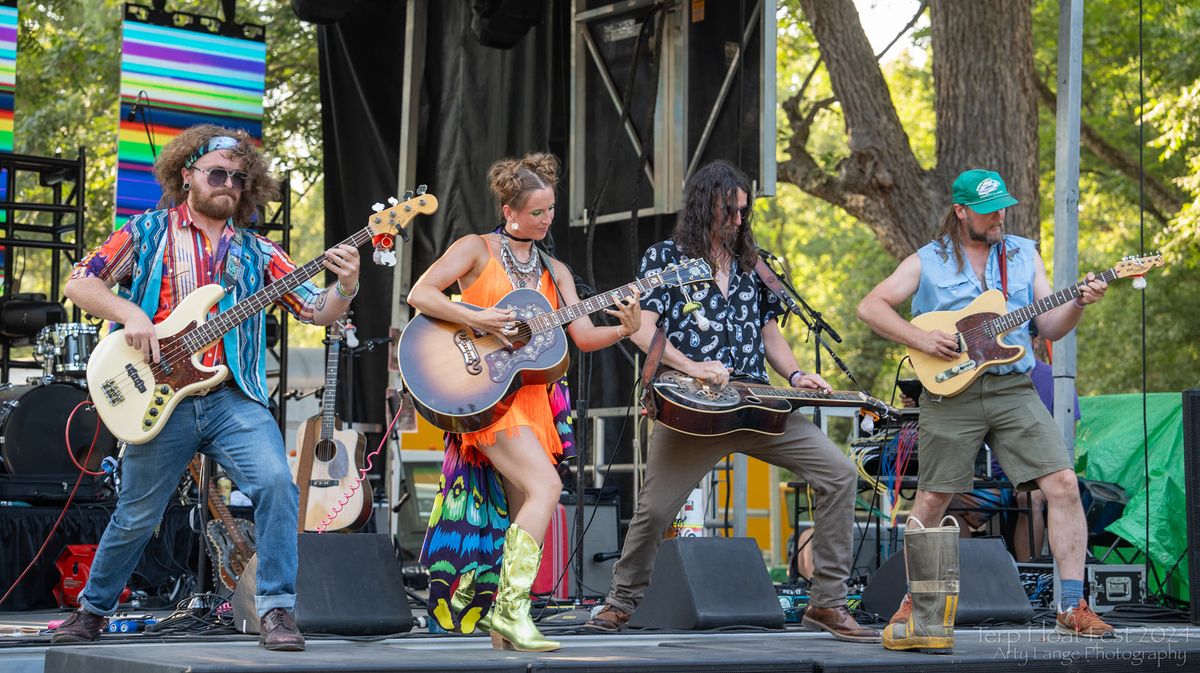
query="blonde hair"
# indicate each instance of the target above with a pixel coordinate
(951, 229)
(512, 179)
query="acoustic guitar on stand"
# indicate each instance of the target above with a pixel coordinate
(230, 540)
(695, 407)
(979, 325)
(463, 380)
(330, 458)
(135, 398)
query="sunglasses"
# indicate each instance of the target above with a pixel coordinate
(218, 176)
(745, 211)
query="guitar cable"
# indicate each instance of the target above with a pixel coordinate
(363, 472)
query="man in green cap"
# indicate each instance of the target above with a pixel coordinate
(971, 254)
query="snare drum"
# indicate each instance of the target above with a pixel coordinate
(64, 348)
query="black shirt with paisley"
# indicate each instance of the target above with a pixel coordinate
(734, 335)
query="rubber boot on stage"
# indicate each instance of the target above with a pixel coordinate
(931, 563)
(511, 625)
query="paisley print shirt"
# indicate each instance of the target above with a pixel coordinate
(734, 334)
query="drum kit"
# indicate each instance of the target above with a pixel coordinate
(33, 417)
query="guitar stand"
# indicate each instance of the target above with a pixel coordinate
(206, 470)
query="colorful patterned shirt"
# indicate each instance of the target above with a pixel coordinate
(189, 262)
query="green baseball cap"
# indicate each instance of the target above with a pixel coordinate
(982, 191)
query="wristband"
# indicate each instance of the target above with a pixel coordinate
(338, 288)
(793, 375)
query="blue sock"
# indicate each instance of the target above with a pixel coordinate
(1072, 591)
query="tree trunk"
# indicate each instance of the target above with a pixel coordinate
(986, 113)
(986, 100)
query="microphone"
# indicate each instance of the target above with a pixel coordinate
(137, 105)
(601, 557)
(766, 254)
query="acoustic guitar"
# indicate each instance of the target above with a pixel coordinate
(135, 398)
(979, 325)
(463, 380)
(231, 541)
(696, 407)
(330, 458)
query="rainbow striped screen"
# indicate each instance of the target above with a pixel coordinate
(184, 76)
(8, 80)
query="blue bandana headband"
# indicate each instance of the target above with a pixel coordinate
(214, 143)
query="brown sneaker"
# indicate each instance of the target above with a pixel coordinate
(903, 612)
(1081, 621)
(80, 627)
(610, 619)
(277, 631)
(838, 623)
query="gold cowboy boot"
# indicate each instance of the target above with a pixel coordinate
(512, 628)
(463, 595)
(931, 563)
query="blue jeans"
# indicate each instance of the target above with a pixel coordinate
(244, 438)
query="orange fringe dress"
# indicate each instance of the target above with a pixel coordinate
(531, 405)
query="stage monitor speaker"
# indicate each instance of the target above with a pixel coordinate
(991, 589)
(348, 584)
(1191, 471)
(601, 541)
(708, 583)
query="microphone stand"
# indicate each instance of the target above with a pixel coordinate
(582, 442)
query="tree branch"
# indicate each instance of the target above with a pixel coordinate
(1165, 201)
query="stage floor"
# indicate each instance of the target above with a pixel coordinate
(1174, 647)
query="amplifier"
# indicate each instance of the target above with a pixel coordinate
(1111, 586)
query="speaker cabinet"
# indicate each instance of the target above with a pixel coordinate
(707, 583)
(1191, 469)
(601, 544)
(990, 586)
(348, 584)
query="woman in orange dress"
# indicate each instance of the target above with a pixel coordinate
(523, 446)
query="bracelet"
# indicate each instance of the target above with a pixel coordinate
(793, 375)
(338, 288)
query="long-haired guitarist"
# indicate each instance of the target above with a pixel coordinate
(972, 254)
(213, 181)
(725, 326)
(524, 445)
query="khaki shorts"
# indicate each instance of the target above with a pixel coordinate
(1004, 411)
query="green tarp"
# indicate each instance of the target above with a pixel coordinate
(1109, 447)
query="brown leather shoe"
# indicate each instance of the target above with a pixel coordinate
(610, 619)
(277, 631)
(838, 623)
(903, 612)
(80, 627)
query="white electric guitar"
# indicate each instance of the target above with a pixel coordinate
(135, 398)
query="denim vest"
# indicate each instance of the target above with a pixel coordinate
(245, 346)
(945, 288)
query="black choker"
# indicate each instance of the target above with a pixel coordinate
(503, 231)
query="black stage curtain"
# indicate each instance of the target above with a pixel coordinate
(478, 104)
(23, 530)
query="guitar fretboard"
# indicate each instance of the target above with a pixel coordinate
(592, 304)
(801, 394)
(329, 397)
(1014, 319)
(206, 333)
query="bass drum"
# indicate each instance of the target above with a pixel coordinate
(32, 422)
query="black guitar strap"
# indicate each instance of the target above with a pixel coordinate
(772, 282)
(658, 343)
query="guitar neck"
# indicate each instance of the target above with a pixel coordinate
(206, 333)
(329, 397)
(1014, 319)
(814, 397)
(592, 304)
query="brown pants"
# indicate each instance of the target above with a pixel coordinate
(678, 461)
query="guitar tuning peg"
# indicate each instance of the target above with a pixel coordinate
(392, 200)
(377, 207)
(421, 189)
(408, 195)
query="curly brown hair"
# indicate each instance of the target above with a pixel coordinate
(260, 186)
(512, 179)
(714, 187)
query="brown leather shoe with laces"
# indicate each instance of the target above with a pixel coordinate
(277, 631)
(838, 623)
(903, 612)
(1081, 621)
(80, 627)
(610, 619)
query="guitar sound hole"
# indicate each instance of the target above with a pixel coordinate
(325, 451)
(753, 399)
